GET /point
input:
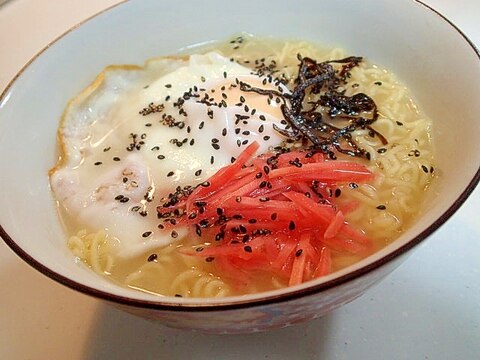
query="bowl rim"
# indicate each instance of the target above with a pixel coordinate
(229, 304)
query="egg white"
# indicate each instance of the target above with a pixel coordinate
(101, 184)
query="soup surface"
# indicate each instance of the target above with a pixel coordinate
(243, 167)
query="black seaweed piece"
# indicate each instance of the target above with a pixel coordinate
(314, 120)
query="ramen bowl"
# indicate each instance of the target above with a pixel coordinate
(429, 54)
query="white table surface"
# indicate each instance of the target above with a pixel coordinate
(427, 309)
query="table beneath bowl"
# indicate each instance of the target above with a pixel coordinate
(427, 309)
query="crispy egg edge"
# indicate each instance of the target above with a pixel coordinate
(89, 90)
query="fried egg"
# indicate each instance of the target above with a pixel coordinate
(136, 134)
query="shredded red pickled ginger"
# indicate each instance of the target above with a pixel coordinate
(274, 213)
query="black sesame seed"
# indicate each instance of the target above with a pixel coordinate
(161, 157)
(296, 163)
(171, 173)
(168, 86)
(399, 123)
(98, 163)
(425, 169)
(209, 259)
(200, 126)
(224, 132)
(266, 138)
(146, 234)
(107, 148)
(116, 158)
(215, 146)
(198, 172)
(381, 150)
(353, 185)
(247, 249)
(338, 192)
(212, 159)
(291, 225)
(381, 207)
(152, 257)
(124, 199)
(118, 197)
(273, 216)
(199, 249)
(298, 252)
(163, 215)
(266, 169)
(174, 234)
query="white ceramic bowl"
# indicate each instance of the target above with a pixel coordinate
(436, 61)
